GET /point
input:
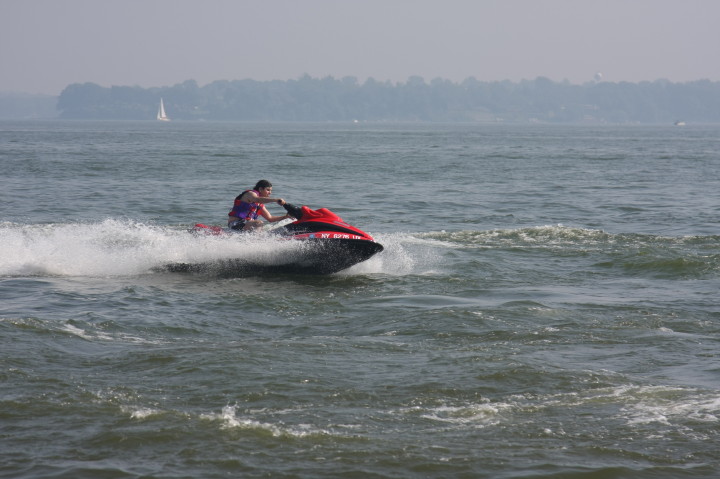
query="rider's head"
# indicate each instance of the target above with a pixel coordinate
(264, 187)
(262, 184)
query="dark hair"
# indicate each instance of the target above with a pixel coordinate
(262, 184)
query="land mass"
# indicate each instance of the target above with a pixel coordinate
(346, 99)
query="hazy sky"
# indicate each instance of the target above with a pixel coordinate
(46, 45)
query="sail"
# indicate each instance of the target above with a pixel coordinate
(161, 112)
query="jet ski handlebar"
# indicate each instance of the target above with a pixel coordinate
(294, 211)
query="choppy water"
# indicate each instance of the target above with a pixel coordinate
(546, 305)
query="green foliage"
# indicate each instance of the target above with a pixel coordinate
(330, 99)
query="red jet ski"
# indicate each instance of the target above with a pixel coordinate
(329, 245)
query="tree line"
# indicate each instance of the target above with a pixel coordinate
(347, 99)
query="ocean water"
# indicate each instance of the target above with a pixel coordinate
(546, 305)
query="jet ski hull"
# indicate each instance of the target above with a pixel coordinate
(315, 256)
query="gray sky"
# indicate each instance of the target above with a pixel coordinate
(46, 45)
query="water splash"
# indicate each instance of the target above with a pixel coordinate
(129, 248)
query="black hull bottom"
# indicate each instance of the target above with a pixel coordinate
(316, 257)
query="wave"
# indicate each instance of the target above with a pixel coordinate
(126, 248)
(680, 257)
(109, 248)
(685, 411)
(560, 234)
(129, 248)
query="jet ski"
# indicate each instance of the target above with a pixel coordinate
(325, 245)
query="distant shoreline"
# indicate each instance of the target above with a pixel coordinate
(346, 100)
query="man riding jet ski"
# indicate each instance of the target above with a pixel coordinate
(327, 244)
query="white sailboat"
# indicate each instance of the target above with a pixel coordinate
(161, 116)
